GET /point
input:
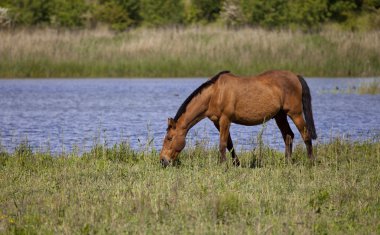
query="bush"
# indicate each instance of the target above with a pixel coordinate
(203, 10)
(122, 14)
(162, 12)
(114, 15)
(232, 14)
(341, 10)
(25, 12)
(268, 14)
(69, 13)
(309, 14)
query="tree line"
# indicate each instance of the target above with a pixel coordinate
(123, 14)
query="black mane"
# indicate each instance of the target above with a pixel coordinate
(197, 91)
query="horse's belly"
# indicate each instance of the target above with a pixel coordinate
(252, 120)
(255, 114)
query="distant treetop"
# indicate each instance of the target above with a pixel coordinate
(123, 14)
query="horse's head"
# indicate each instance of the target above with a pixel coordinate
(174, 142)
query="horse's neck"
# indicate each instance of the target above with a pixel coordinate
(195, 111)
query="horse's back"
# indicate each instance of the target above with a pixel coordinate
(275, 82)
(252, 100)
(281, 78)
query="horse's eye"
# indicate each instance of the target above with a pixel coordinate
(169, 138)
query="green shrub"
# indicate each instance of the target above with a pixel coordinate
(119, 14)
(232, 13)
(203, 10)
(69, 13)
(268, 14)
(24, 12)
(162, 12)
(113, 14)
(122, 14)
(310, 14)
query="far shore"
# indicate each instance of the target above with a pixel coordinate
(187, 52)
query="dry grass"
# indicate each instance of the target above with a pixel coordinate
(198, 51)
(369, 87)
(372, 87)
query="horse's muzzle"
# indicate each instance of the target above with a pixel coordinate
(165, 162)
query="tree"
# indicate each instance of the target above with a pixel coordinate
(69, 13)
(203, 10)
(308, 14)
(269, 14)
(118, 15)
(24, 12)
(162, 12)
(232, 13)
(341, 10)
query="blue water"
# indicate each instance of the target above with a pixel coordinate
(62, 114)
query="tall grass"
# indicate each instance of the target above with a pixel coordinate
(372, 87)
(178, 52)
(118, 190)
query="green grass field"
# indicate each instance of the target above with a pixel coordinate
(119, 190)
(186, 52)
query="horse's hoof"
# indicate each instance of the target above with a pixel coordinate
(236, 162)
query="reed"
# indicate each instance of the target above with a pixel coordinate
(372, 87)
(120, 190)
(185, 52)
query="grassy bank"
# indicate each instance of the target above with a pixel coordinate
(118, 190)
(186, 53)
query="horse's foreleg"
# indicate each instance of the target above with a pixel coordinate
(224, 133)
(230, 147)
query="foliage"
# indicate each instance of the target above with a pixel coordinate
(304, 14)
(269, 13)
(308, 14)
(232, 13)
(203, 10)
(24, 12)
(5, 19)
(68, 13)
(119, 14)
(123, 14)
(162, 12)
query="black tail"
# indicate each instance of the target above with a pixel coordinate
(307, 110)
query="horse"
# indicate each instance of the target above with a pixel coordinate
(227, 98)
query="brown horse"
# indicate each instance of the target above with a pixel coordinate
(227, 98)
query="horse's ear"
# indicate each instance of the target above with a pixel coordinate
(171, 123)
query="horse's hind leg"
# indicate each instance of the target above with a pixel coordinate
(287, 133)
(300, 123)
(230, 147)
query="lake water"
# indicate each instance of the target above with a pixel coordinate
(60, 114)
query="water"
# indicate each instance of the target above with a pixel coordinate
(62, 114)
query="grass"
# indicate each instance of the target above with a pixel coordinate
(185, 52)
(371, 87)
(119, 190)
